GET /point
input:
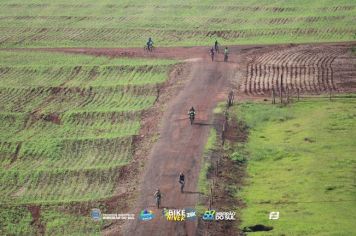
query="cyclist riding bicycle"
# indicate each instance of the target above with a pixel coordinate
(212, 53)
(191, 114)
(158, 196)
(181, 181)
(226, 53)
(191, 111)
(216, 46)
(149, 44)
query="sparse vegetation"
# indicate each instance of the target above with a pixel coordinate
(203, 184)
(16, 220)
(58, 223)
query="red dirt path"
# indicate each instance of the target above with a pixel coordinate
(180, 149)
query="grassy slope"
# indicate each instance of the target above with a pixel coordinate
(98, 102)
(203, 185)
(203, 181)
(302, 164)
(114, 23)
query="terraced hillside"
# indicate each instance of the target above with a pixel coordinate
(111, 23)
(303, 68)
(67, 126)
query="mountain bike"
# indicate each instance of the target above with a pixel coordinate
(181, 186)
(191, 117)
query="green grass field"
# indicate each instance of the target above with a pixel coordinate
(126, 23)
(67, 126)
(302, 164)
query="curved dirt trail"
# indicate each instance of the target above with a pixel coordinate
(180, 148)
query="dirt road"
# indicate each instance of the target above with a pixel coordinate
(180, 148)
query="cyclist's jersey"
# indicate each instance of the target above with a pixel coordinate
(181, 178)
(158, 194)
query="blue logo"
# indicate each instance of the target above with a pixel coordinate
(146, 215)
(95, 214)
(190, 214)
(209, 215)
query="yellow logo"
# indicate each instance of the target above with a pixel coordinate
(174, 214)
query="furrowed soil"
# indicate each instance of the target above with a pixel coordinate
(252, 72)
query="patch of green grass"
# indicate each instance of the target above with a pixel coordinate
(203, 181)
(301, 164)
(219, 108)
(186, 23)
(210, 144)
(11, 58)
(58, 223)
(203, 184)
(16, 220)
(39, 70)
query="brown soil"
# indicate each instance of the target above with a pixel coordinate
(143, 143)
(53, 117)
(36, 216)
(299, 68)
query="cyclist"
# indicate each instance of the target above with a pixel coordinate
(230, 98)
(212, 53)
(181, 181)
(191, 114)
(149, 44)
(158, 196)
(216, 46)
(226, 53)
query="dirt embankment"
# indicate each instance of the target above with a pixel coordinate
(225, 176)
